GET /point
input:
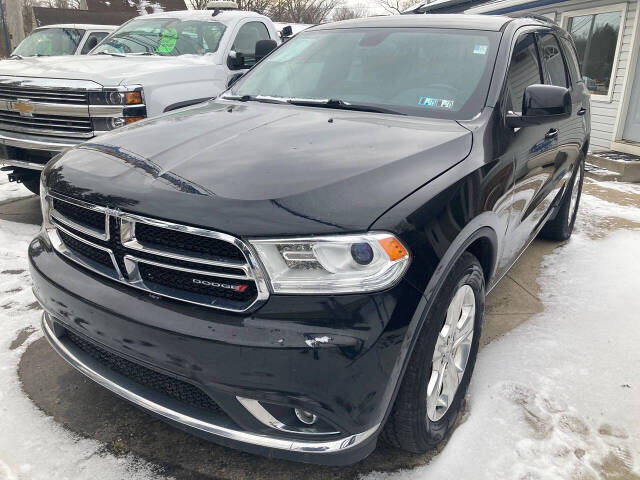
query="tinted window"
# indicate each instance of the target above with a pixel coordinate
(572, 60)
(92, 42)
(418, 71)
(246, 39)
(552, 61)
(524, 70)
(165, 36)
(50, 41)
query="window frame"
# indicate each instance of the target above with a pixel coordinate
(516, 38)
(619, 7)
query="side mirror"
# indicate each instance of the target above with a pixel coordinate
(286, 31)
(264, 48)
(234, 79)
(235, 60)
(542, 104)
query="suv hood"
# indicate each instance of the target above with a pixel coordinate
(106, 69)
(262, 169)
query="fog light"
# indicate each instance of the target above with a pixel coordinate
(305, 417)
(116, 122)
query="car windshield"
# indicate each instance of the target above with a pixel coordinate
(441, 73)
(164, 36)
(50, 41)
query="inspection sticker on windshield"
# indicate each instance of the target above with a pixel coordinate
(480, 49)
(436, 103)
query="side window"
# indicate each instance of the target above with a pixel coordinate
(246, 39)
(553, 66)
(572, 60)
(524, 70)
(93, 39)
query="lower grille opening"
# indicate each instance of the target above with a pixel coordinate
(171, 387)
(86, 250)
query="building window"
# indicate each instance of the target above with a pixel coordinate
(596, 34)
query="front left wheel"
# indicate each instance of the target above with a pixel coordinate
(442, 362)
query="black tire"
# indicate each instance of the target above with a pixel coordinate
(561, 227)
(32, 184)
(408, 426)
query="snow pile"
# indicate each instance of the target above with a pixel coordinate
(32, 445)
(559, 396)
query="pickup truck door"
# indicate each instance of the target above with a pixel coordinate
(244, 39)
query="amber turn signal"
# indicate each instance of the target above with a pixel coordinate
(133, 98)
(394, 248)
(132, 119)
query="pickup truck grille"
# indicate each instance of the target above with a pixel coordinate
(69, 97)
(180, 262)
(45, 107)
(47, 124)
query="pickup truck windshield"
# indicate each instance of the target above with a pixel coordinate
(442, 73)
(50, 41)
(166, 36)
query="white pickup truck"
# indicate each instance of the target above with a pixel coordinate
(150, 65)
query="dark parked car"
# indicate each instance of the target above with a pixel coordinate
(299, 267)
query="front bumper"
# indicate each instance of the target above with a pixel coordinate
(266, 356)
(19, 145)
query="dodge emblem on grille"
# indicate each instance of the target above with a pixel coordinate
(23, 106)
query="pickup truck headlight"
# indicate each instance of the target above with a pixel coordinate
(117, 96)
(333, 264)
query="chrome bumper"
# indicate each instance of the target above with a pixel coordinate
(31, 142)
(108, 379)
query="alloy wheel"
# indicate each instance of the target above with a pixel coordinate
(451, 353)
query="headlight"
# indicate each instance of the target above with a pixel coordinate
(333, 264)
(117, 96)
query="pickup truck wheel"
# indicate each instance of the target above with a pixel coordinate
(442, 362)
(561, 227)
(32, 184)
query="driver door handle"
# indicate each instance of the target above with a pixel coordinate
(553, 132)
(582, 111)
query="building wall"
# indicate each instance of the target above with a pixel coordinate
(603, 112)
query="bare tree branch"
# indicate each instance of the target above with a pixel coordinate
(302, 11)
(347, 13)
(394, 7)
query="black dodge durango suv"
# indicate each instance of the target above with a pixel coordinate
(298, 268)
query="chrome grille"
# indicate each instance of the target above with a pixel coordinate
(65, 96)
(183, 263)
(53, 107)
(47, 124)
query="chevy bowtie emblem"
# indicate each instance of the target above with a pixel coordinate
(24, 107)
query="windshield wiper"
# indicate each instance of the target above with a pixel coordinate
(113, 54)
(255, 98)
(17, 57)
(340, 104)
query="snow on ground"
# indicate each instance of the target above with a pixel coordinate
(559, 396)
(9, 191)
(556, 398)
(32, 445)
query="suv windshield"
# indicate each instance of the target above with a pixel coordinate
(50, 41)
(415, 71)
(164, 36)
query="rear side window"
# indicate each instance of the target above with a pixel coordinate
(524, 70)
(553, 66)
(572, 60)
(93, 40)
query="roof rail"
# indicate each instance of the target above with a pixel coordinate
(541, 18)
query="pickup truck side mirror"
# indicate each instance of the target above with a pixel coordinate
(542, 104)
(264, 48)
(235, 61)
(286, 32)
